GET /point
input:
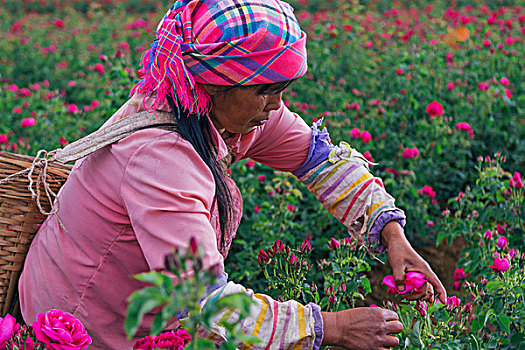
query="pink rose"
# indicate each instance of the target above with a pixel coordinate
(334, 244)
(366, 137)
(8, 327)
(368, 156)
(355, 133)
(72, 108)
(459, 274)
(453, 301)
(501, 242)
(434, 108)
(172, 340)
(60, 331)
(261, 178)
(250, 164)
(3, 138)
(504, 81)
(306, 246)
(500, 265)
(483, 86)
(263, 258)
(488, 234)
(413, 282)
(27, 122)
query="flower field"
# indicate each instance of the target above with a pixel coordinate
(431, 93)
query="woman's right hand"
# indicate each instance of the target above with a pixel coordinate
(362, 328)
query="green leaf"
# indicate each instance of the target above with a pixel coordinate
(141, 302)
(503, 322)
(494, 285)
(156, 278)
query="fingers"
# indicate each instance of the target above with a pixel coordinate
(399, 278)
(436, 283)
(394, 327)
(390, 315)
(390, 341)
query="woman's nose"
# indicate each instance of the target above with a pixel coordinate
(274, 102)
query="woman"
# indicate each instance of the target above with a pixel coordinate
(219, 67)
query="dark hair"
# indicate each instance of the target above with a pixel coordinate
(198, 131)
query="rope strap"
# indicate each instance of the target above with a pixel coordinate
(83, 147)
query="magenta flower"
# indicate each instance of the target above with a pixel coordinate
(330, 290)
(293, 259)
(413, 283)
(487, 235)
(410, 153)
(502, 242)
(463, 126)
(334, 244)
(3, 139)
(434, 109)
(278, 246)
(400, 71)
(290, 208)
(250, 164)
(256, 208)
(263, 258)
(368, 156)
(8, 327)
(27, 122)
(453, 301)
(72, 108)
(99, 67)
(305, 247)
(355, 105)
(483, 86)
(500, 265)
(504, 81)
(500, 228)
(366, 137)
(60, 331)
(172, 340)
(459, 274)
(261, 178)
(24, 92)
(355, 133)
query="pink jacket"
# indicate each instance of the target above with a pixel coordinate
(125, 206)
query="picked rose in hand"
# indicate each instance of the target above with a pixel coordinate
(413, 283)
(59, 330)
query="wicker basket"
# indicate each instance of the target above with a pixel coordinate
(20, 219)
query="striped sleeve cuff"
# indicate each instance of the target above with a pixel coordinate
(318, 325)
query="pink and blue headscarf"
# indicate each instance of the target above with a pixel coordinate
(221, 42)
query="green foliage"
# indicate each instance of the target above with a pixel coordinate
(181, 290)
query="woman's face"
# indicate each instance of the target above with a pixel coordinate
(241, 109)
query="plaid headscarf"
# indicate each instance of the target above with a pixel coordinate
(221, 42)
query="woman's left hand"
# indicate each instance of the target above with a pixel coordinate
(403, 258)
